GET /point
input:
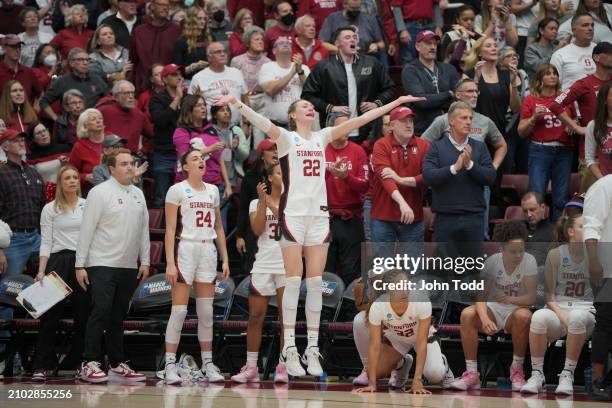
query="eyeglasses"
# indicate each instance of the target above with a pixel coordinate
(512, 56)
(18, 139)
(218, 52)
(283, 42)
(164, 6)
(14, 46)
(127, 93)
(80, 59)
(41, 132)
(474, 91)
(76, 103)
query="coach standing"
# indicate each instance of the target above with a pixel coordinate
(113, 236)
(597, 237)
(457, 168)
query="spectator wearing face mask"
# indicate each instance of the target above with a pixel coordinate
(285, 21)
(46, 65)
(219, 25)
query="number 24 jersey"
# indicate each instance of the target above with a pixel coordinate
(197, 209)
(303, 167)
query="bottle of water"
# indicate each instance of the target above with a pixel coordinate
(323, 377)
(588, 379)
(17, 366)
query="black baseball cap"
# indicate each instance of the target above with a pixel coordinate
(603, 47)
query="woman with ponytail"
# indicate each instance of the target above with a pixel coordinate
(569, 307)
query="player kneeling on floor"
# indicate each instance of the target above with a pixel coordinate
(511, 279)
(268, 273)
(569, 307)
(399, 322)
(195, 263)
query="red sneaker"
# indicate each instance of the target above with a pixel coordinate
(92, 373)
(124, 373)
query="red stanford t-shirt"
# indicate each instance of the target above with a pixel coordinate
(548, 128)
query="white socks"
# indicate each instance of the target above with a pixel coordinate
(570, 365)
(471, 365)
(204, 309)
(252, 358)
(314, 303)
(290, 301)
(537, 363)
(170, 358)
(516, 360)
(175, 324)
(361, 335)
(206, 358)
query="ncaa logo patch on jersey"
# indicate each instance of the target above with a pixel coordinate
(389, 316)
(566, 261)
(500, 272)
(188, 190)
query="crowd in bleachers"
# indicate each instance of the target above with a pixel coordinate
(82, 80)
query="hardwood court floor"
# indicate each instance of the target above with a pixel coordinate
(154, 393)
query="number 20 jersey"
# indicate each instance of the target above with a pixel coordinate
(303, 167)
(197, 209)
(573, 287)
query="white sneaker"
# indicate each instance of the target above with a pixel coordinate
(312, 360)
(566, 383)
(171, 375)
(362, 379)
(399, 376)
(291, 358)
(448, 379)
(535, 384)
(212, 373)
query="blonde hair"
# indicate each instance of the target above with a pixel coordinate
(191, 32)
(60, 204)
(292, 107)
(542, 12)
(470, 60)
(71, 11)
(93, 43)
(81, 128)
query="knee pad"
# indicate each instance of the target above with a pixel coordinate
(175, 324)
(314, 295)
(291, 293)
(204, 309)
(577, 321)
(541, 320)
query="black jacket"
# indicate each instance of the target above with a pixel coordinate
(248, 192)
(327, 85)
(122, 34)
(418, 81)
(164, 121)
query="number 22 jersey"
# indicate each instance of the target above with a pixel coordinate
(197, 209)
(303, 167)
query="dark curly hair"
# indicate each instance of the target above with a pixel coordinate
(510, 230)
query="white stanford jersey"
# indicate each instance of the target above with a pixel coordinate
(401, 329)
(269, 257)
(303, 167)
(509, 284)
(573, 281)
(197, 210)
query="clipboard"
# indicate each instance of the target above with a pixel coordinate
(37, 298)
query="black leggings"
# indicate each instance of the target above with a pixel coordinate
(602, 333)
(62, 263)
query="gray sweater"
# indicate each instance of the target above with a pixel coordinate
(536, 55)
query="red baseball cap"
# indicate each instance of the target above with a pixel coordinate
(169, 70)
(265, 144)
(10, 134)
(427, 35)
(401, 112)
